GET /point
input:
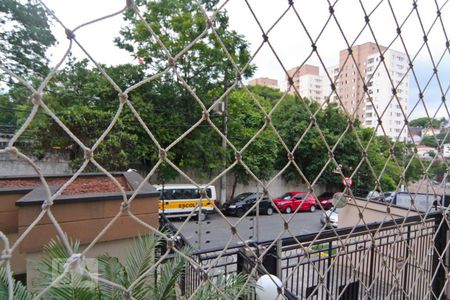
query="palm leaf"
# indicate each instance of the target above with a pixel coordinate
(230, 286)
(20, 292)
(140, 258)
(71, 286)
(111, 269)
(169, 273)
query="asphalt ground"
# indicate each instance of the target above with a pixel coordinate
(215, 232)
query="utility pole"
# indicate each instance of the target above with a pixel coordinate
(223, 179)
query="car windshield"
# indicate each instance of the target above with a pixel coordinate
(240, 197)
(286, 196)
(326, 195)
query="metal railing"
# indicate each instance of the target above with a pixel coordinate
(399, 259)
(378, 261)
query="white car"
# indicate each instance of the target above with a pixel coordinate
(330, 218)
(389, 196)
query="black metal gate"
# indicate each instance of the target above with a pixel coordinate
(385, 261)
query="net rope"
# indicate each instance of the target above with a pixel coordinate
(342, 242)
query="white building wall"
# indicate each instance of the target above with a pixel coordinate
(313, 87)
(380, 89)
(333, 72)
(446, 151)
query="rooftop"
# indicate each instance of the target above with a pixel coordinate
(81, 185)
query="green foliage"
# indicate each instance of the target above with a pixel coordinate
(86, 103)
(245, 120)
(8, 115)
(292, 121)
(140, 259)
(232, 286)
(205, 66)
(425, 122)
(20, 292)
(72, 285)
(435, 141)
(23, 45)
(437, 169)
(110, 268)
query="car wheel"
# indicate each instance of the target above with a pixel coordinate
(240, 212)
(201, 217)
(269, 211)
(312, 208)
(288, 210)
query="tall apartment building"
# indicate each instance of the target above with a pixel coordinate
(309, 83)
(264, 81)
(367, 71)
(333, 72)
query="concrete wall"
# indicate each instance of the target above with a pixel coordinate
(117, 248)
(18, 259)
(373, 212)
(83, 221)
(11, 166)
(276, 189)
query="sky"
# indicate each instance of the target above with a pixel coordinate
(288, 37)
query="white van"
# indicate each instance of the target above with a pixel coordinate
(179, 200)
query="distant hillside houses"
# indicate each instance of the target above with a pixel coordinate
(426, 152)
(416, 134)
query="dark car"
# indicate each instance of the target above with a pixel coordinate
(243, 202)
(326, 199)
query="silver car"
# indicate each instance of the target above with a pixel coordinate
(330, 218)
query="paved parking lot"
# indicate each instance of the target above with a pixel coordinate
(215, 231)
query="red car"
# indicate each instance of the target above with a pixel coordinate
(291, 200)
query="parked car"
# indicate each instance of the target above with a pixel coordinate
(243, 202)
(326, 199)
(289, 202)
(369, 195)
(330, 218)
(389, 196)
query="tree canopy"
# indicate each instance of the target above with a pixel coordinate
(425, 122)
(435, 140)
(205, 66)
(25, 36)
(86, 103)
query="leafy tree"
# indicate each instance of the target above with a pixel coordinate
(425, 122)
(9, 111)
(292, 120)
(86, 103)
(435, 141)
(438, 169)
(25, 35)
(205, 67)
(245, 119)
(177, 23)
